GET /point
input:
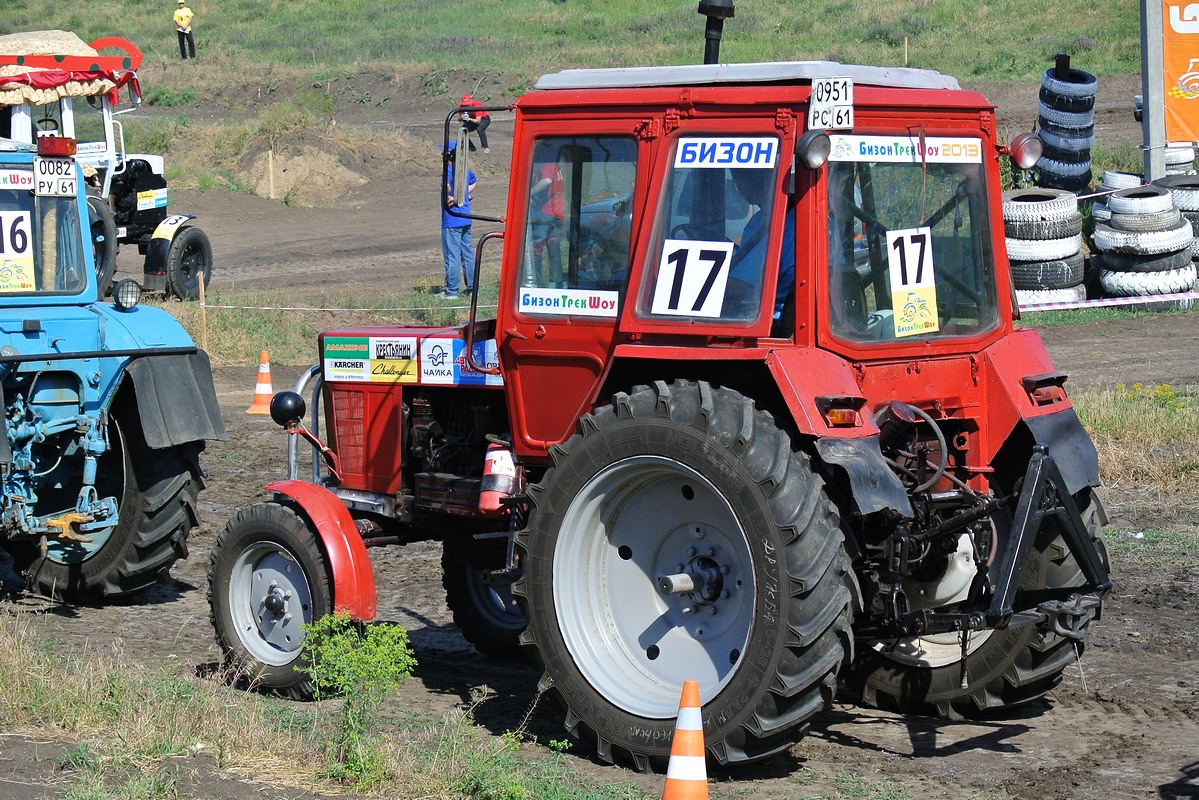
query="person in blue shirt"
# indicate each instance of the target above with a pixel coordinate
(455, 233)
(746, 272)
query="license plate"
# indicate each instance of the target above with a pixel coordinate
(54, 177)
(831, 106)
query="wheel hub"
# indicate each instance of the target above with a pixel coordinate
(275, 600)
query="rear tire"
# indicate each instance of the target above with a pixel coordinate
(267, 577)
(189, 256)
(1006, 668)
(685, 477)
(484, 610)
(104, 241)
(156, 492)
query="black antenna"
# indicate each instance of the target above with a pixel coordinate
(717, 11)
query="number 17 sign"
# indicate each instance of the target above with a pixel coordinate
(913, 286)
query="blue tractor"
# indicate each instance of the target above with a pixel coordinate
(107, 405)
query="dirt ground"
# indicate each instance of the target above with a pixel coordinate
(1123, 724)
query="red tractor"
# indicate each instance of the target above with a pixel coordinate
(752, 411)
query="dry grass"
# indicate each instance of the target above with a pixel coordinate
(1147, 437)
(137, 715)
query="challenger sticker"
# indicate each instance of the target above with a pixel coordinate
(151, 198)
(906, 149)
(381, 359)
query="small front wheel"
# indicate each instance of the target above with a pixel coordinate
(190, 257)
(267, 577)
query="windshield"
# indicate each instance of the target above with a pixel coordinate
(909, 252)
(41, 249)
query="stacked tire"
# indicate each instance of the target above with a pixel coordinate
(1113, 182)
(1180, 159)
(1184, 191)
(1043, 232)
(1144, 248)
(1066, 125)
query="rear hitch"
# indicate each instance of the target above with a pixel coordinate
(1044, 494)
(1067, 617)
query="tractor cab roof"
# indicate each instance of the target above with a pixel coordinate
(787, 72)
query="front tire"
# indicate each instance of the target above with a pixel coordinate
(156, 492)
(1004, 668)
(267, 577)
(685, 478)
(190, 255)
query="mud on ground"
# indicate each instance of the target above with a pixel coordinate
(1124, 722)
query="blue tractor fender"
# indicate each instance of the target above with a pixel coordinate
(172, 378)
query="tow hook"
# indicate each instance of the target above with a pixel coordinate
(1068, 618)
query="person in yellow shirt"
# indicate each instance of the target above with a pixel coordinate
(183, 26)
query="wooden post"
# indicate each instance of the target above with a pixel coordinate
(905, 51)
(203, 316)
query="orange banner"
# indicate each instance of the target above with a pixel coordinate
(1180, 57)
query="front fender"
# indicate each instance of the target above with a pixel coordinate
(353, 577)
(160, 242)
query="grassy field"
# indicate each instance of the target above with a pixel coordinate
(523, 38)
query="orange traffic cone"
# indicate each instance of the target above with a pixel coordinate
(686, 774)
(262, 389)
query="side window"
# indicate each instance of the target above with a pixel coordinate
(575, 256)
(713, 230)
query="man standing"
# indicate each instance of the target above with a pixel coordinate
(455, 232)
(183, 26)
(475, 120)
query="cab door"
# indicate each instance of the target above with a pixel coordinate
(567, 259)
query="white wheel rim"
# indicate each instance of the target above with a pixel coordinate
(269, 599)
(634, 522)
(952, 586)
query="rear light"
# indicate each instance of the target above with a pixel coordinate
(55, 146)
(840, 411)
(1045, 389)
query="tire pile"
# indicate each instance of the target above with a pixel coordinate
(1144, 246)
(1113, 182)
(1066, 122)
(1043, 232)
(1180, 159)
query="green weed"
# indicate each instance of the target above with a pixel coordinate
(360, 664)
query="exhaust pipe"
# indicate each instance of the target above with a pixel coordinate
(717, 11)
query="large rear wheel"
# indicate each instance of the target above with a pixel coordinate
(680, 535)
(156, 493)
(1004, 668)
(104, 241)
(267, 577)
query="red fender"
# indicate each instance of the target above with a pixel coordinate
(353, 577)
